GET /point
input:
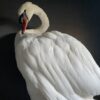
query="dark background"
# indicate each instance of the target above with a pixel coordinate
(79, 18)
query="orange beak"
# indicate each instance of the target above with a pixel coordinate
(24, 24)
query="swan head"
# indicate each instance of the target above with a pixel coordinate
(27, 8)
(25, 13)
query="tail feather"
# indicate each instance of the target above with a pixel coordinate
(51, 93)
(48, 90)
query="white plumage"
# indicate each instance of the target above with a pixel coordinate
(56, 66)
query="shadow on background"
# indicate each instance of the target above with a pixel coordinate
(7, 26)
(5, 20)
(12, 85)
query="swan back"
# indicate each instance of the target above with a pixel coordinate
(60, 66)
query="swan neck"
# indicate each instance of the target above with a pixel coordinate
(44, 22)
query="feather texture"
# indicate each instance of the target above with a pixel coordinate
(56, 66)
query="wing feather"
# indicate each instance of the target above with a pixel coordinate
(59, 65)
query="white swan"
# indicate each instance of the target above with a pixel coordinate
(55, 66)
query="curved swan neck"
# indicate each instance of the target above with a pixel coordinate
(44, 21)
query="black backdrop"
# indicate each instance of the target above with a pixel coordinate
(80, 18)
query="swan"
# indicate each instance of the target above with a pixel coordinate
(55, 65)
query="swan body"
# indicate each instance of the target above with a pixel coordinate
(55, 65)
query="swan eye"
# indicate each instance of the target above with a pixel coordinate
(23, 15)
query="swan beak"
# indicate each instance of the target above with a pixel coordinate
(23, 20)
(24, 24)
